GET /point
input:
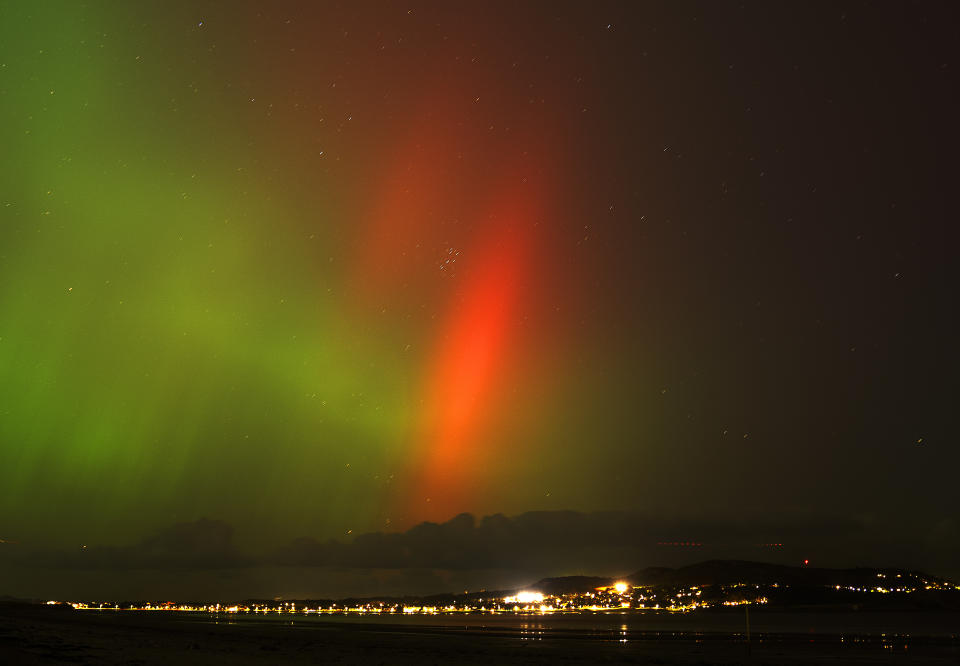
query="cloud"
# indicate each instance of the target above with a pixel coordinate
(202, 544)
(556, 542)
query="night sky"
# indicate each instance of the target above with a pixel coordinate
(273, 274)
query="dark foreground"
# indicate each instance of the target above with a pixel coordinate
(40, 635)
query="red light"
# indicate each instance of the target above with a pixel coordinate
(806, 562)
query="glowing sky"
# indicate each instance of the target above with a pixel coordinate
(321, 268)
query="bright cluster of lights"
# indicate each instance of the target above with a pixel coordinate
(525, 598)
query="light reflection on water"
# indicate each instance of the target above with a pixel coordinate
(893, 629)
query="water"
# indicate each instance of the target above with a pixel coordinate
(638, 625)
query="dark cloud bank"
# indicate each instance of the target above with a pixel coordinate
(199, 558)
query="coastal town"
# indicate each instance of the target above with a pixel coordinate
(617, 596)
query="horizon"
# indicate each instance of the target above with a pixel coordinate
(615, 586)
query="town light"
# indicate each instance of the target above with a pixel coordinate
(525, 598)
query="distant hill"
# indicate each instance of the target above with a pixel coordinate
(570, 584)
(728, 572)
(796, 586)
(723, 572)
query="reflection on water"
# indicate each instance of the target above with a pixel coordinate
(885, 628)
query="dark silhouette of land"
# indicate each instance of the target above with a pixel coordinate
(782, 586)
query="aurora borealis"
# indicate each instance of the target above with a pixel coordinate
(327, 292)
(331, 268)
